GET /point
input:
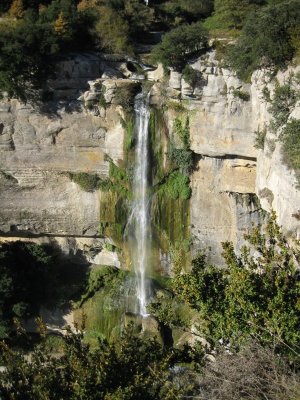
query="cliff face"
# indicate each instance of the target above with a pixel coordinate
(38, 148)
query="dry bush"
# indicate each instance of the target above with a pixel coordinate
(254, 373)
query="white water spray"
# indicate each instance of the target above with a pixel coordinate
(139, 219)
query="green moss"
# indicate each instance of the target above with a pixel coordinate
(103, 305)
(170, 216)
(129, 126)
(157, 134)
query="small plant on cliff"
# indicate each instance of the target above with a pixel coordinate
(191, 76)
(291, 146)
(87, 182)
(125, 96)
(282, 103)
(241, 94)
(260, 137)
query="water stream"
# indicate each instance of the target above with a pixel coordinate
(139, 221)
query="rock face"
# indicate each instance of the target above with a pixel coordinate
(83, 122)
(232, 179)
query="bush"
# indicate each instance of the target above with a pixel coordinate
(282, 103)
(245, 96)
(23, 280)
(180, 44)
(125, 96)
(260, 137)
(87, 182)
(182, 158)
(252, 297)
(291, 146)
(176, 186)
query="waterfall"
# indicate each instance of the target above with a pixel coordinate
(139, 221)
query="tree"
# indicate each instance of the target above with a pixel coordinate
(112, 31)
(267, 39)
(180, 44)
(255, 296)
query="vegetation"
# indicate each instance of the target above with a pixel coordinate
(241, 94)
(282, 103)
(132, 369)
(266, 39)
(125, 96)
(180, 44)
(176, 186)
(23, 276)
(291, 146)
(191, 76)
(253, 297)
(87, 182)
(31, 276)
(260, 137)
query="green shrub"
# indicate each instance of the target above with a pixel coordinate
(245, 96)
(183, 131)
(282, 103)
(102, 101)
(182, 158)
(125, 96)
(180, 44)
(128, 125)
(260, 137)
(176, 186)
(252, 297)
(87, 182)
(291, 145)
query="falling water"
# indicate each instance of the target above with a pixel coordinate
(139, 219)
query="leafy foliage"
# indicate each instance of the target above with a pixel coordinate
(176, 186)
(254, 296)
(245, 96)
(282, 102)
(265, 40)
(133, 369)
(180, 44)
(230, 14)
(260, 137)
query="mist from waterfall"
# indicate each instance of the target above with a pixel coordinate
(139, 221)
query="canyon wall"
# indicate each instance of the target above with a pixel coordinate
(73, 132)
